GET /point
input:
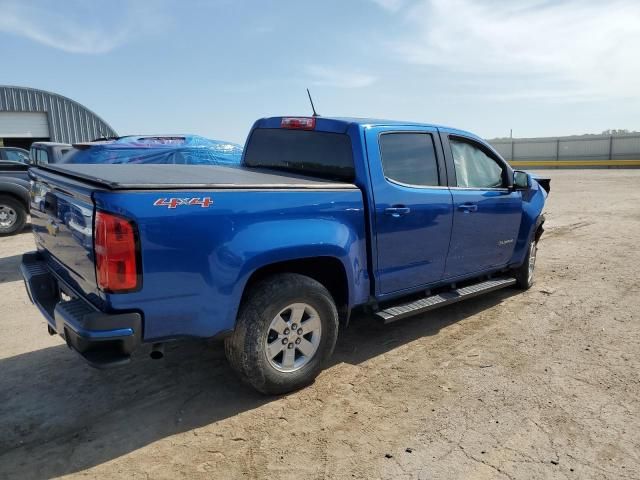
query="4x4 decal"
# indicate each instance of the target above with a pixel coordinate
(204, 202)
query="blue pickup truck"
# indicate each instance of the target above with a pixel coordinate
(324, 216)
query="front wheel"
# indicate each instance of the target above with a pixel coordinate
(524, 273)
(285, 333)
(13, 216)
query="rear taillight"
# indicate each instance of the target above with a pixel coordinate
(299, 123)
(116, 252)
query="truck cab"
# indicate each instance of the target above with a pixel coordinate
(442, 203)
(43, 153)
(323, 216)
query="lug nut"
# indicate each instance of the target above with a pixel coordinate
(294, 326)
(286, 331)
(297, 341)
(300, 332)
(285, 341)
(290, 346)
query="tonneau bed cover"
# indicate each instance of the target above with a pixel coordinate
(175, 177)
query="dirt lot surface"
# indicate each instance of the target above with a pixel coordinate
(541, 384)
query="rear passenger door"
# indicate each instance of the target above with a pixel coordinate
(486, 212)
(412, 207)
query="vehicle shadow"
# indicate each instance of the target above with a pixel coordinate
(10, 268)
(59, 416)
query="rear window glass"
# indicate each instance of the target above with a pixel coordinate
(319, 154)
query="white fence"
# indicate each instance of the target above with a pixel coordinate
(597, 150)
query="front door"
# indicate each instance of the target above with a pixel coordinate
(486, 213)
(413, 209)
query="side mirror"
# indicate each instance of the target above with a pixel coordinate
(521, 180)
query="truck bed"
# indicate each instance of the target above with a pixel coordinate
(176, 177)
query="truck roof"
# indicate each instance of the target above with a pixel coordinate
(342, 124)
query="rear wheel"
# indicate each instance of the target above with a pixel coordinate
(13, 215)
(285, 333)
(524, 273)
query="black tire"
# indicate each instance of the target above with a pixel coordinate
(10, 204)
(524, 280)
(246, 347)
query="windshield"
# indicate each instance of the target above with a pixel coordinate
(16, 155)
(220, 154)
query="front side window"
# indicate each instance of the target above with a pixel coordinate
(409, 158)
(474, 168)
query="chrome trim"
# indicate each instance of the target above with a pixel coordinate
(501, 189)
(445, 187)
(409, 185)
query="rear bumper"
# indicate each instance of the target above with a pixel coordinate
(102, 339)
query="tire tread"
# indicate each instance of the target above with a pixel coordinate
(243, 348)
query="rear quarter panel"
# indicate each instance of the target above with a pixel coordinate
(196, 261)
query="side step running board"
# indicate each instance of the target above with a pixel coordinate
(403, 310)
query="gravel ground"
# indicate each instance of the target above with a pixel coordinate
(541, 384)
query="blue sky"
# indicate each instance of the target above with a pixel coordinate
(212, 67)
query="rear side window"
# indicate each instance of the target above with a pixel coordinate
(474, 168)
(409, 158)
(319, 154)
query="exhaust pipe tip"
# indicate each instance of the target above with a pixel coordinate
(157, 351)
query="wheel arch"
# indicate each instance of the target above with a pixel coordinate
(533, 202)
(327, 270)
(16, 191)
(539, 227)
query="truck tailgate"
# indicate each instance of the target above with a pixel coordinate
(62, 213)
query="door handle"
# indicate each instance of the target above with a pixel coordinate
(397, 211)
(468, 207)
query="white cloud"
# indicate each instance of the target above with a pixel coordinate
(325, 76)
(70, 26)
(581, 48)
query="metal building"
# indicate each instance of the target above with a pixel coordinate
(28, 115)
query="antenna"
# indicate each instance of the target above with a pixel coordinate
(315, 114)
